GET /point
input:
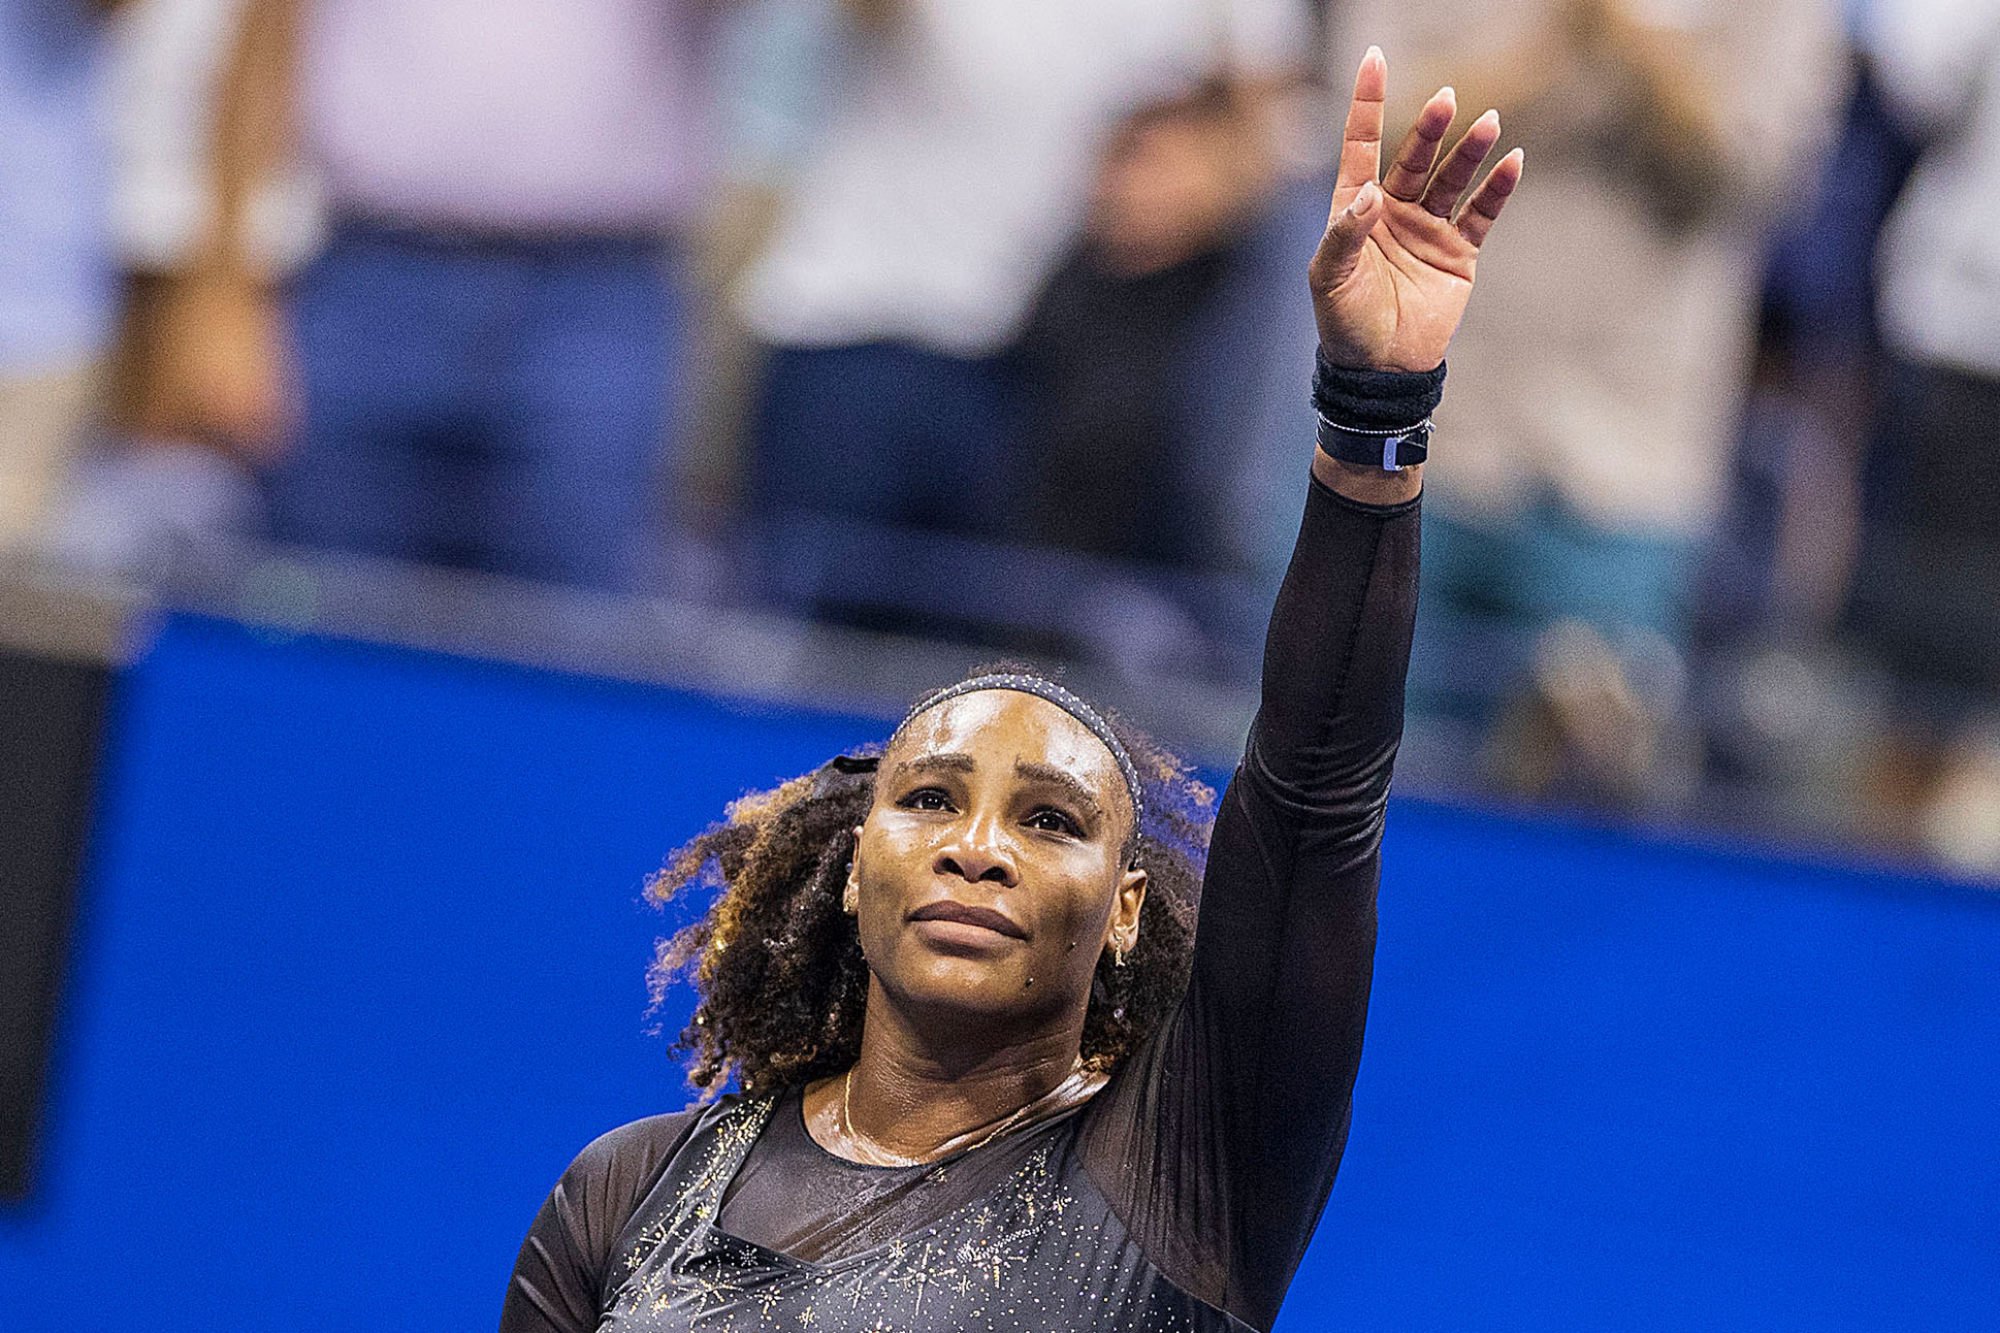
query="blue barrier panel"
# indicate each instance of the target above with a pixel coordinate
(361, 967)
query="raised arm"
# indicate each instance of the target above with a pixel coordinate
(1390, 281)
(1228, 1130)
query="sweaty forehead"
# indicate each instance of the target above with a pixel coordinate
(1005, 726)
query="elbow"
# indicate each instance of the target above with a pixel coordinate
(1340, 792)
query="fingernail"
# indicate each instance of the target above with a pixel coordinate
(1364, 198)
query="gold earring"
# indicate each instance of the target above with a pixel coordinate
(1118, 954)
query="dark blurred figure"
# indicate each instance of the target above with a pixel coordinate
(478, 367)
(1926, 595)
(979, 294)
(1665, 136)
(1787, 715)
(1112, 340)
(57, 289)
(1815, 383)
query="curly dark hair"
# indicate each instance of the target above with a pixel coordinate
(777, 964)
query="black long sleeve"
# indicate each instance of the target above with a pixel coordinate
(1219, 1143)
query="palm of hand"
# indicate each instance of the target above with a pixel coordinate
(1401, 303)
(1394, 271)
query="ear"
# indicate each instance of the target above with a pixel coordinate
(1121, 932)
(850, 899)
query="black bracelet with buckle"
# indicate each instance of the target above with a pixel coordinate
(1376, 418)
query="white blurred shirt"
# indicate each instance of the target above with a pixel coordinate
(1939, 266)
(167, 60)
(959, 164)
(521, 115)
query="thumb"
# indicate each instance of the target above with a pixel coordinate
(1346, 232)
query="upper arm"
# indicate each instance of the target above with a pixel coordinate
(1227, 1129)
(558, 1283)
(556, 1286)
(1218, 1140)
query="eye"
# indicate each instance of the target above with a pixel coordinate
(926, 798)
(1051, 820)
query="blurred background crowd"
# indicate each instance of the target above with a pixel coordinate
(984, 321)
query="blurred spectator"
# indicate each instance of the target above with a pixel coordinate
(777, 64)
(1787, 716)
(1926, 597)
(1594, 392)
(477, 368)
(141, 511)
(1110, 343)
(1090, 155)
(1785, 558)
(56, 279)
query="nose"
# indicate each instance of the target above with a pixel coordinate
(978, 852)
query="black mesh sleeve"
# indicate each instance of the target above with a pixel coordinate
(1219, 1141)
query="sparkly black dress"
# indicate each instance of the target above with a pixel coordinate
(1182, 1195)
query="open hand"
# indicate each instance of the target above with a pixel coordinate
(1392, 274)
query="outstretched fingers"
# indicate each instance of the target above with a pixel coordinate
(1418, 152)
(1480, 214)
(1361, 141)
(1461, 165)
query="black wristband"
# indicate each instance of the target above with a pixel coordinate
(1375, 399)
(1376, 418)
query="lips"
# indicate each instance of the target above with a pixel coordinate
(966, 915)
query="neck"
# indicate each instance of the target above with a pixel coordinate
(922, 1090)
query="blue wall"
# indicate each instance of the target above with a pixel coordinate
(361, 966)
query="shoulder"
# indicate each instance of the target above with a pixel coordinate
(560, 1274)
(606, 1183)
(622, 1164)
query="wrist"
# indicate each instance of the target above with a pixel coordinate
(1378, 419)
(1365, 484)
(1375, 397)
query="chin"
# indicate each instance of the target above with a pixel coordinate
(996, 988)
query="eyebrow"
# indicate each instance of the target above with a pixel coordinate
(1061, 780)
(953, 762)
(1033, 770)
